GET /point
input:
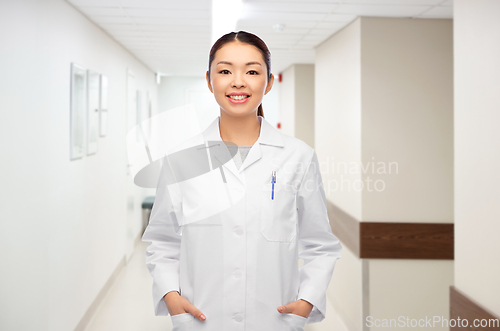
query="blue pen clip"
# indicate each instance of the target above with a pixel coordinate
(273, 181)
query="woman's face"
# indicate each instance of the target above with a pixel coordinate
(239, 69)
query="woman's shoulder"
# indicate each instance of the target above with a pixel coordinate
(297, 145)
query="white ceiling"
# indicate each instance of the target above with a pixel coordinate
(173, 37)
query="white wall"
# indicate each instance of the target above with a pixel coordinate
(338, 139)
(338, 114)
(287, 101)
(63, 222)
(477, 150)
(304, 102)
(407, 118)
(173, 90)
(271, 103)
(177, 91)
(296, 113)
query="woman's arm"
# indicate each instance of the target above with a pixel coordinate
(164, 234)
(320, 249)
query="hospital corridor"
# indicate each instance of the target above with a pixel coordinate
(250, 165)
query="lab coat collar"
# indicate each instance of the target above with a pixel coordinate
(268, 136)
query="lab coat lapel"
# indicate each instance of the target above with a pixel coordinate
(268, 136)
(254, 155)
(227, 163)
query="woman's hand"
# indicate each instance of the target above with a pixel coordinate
(177, 304)
(300, 307)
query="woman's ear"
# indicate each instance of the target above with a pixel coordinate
(208, 82)
(269, 84)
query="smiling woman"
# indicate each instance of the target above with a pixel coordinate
(224, 243)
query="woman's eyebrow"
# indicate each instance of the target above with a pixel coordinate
(248, 64)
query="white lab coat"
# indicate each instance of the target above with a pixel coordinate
(231, 250)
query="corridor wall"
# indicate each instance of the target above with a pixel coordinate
(64, 228)
(384, 137)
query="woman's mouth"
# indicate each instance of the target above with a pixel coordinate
(238, 98)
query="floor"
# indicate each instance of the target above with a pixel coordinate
(129, 307)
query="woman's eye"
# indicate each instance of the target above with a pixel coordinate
(252, 72)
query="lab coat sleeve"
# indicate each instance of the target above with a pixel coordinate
(164, 234)
(320, 249)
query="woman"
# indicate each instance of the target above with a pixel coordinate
(225, 232)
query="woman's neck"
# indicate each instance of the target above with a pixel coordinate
(239, 130)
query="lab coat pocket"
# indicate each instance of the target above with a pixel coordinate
(182, 322)
(294, 322)
(278, 216)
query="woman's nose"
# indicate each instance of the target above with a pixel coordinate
(238, 81)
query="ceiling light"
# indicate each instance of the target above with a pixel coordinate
(225, 15)
(278, 27)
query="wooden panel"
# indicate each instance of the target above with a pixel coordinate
(465, 308)
(387, 240)
(406, 241)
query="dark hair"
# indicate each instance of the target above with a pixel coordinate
(247, 38)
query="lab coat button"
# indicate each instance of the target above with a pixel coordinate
(237, 274)
(238, 318)
(239, 231)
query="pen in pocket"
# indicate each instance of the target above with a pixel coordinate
(273, 180)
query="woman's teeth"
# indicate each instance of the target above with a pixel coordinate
(238, 97)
